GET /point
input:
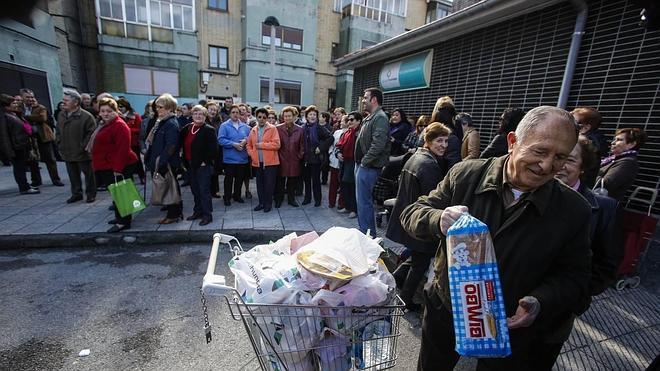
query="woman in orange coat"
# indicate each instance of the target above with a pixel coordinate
(263, 145)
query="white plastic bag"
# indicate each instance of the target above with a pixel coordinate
(290, 332)
(333, 351)
(340, 253)
(268, 273)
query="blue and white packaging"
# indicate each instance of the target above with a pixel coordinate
(476, 292)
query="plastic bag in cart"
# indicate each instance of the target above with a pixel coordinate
(340, 254)
(373, 289)
(334, 351)
(476, 292)
(290, 332)
(268, 273)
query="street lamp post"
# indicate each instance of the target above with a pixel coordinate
(272, 22)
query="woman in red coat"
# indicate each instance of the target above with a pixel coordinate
(134, 122)
(112, 156)
(292, 151)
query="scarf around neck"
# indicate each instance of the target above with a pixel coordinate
(609, 159)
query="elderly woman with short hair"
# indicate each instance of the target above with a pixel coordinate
(200, 149)
(112, 156)
(420, 175)
(162, 149)
(619, 170)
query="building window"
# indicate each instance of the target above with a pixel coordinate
(334, 52)
(151, 81)
(285, 37)
(286, 92)
(377, 10)
(173, 14)
(219, 5)
(218, 57)
(436, 10)
(332, 99)
(368, 44)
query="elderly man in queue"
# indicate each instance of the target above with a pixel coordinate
(76, 129)
(540, 234)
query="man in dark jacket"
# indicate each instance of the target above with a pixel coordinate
(372, 153)
(76, 128)
(540, 231)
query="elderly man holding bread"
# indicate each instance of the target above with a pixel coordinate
(539, 229)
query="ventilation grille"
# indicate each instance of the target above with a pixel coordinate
(520, 63)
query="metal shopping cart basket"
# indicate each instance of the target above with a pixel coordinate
(307, 337)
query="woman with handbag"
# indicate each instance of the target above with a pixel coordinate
(112, 157)
(200, 149)
(162, 159)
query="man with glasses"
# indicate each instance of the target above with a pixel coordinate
(372, 153)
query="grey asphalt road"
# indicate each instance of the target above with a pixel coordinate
(132, 307)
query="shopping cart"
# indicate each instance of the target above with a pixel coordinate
(308, 337)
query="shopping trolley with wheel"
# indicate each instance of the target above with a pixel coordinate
(308, 337)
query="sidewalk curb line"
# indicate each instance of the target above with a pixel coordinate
(258, 236)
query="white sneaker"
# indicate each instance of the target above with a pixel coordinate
(352, 215)
(342, 211)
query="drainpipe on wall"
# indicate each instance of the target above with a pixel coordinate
(578, 31)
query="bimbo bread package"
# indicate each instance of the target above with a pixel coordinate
(476, 292)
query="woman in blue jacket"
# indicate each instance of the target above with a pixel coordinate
(163, 149)
(232, 136)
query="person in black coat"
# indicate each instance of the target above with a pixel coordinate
(162, 143)
(399, 130)
(15, 143)
(421, 174)
(200, 149)
(317, 142)
(605, 233)
(589, 120)
(508, 123)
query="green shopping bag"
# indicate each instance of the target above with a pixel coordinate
(126, 197)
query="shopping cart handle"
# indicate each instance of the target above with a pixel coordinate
(215, 285)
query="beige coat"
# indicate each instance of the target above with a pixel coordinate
(470, 148)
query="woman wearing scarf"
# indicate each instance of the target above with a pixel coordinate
(399, 130)
(346, 154)
(112, 157)
(162, 146)
(619, 170)
(317, 142)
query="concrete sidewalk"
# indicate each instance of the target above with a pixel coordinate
(26, 220)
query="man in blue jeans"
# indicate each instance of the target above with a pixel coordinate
(372, 153)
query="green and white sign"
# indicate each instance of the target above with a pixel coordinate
(407, 73)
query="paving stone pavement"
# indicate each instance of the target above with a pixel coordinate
(621, 330)
(48, 213)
